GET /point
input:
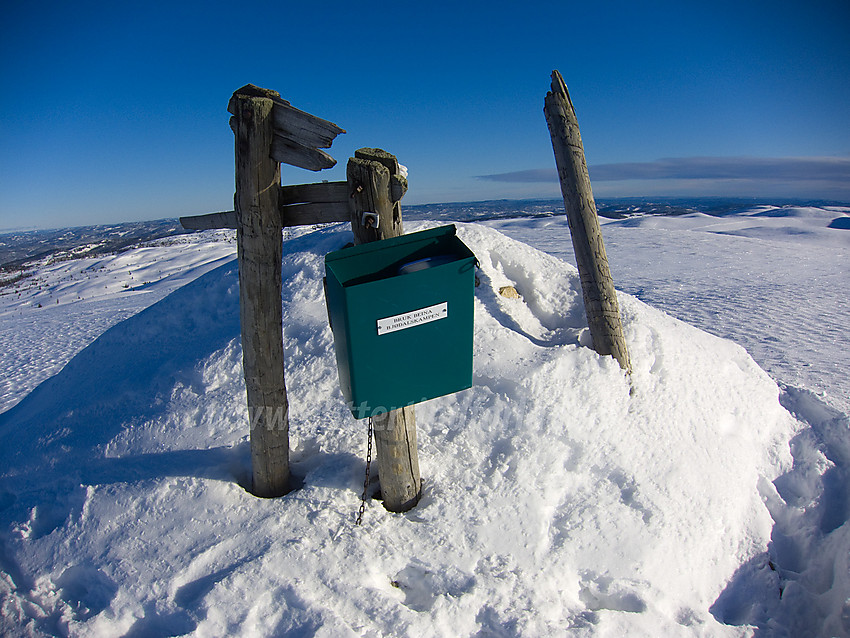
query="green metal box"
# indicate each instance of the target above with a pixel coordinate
(401, 314)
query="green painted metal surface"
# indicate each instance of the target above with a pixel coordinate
(401, 313)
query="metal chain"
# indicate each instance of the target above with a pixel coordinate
(366, 481)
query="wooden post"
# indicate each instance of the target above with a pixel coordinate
(259, 251)
(270, 130)
(600, 298)
(377, 187)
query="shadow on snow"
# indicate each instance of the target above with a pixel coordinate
(122, 379)
(791, 589)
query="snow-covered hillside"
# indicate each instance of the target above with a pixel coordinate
(46, 318)
(772, 279)
(560, 495)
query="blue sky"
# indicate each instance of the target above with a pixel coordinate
(117, 111)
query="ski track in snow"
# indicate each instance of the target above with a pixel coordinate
(534, 527)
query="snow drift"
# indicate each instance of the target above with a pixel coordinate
(559, 493)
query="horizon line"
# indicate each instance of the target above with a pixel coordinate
(766, 199)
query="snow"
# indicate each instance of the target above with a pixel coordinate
(561, 496)
(77, 300)
(772, 279)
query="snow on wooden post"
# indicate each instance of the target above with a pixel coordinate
(600, 298)
(377, 186)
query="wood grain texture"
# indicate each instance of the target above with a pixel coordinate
(298, 135)
(210, 221)
(304, 128)
(299, 204)
(288, 151)
(370, 176)
(600, 297)
(314, 193)
(370, 183)
(321, 203)
(398, 458)
(259, 251)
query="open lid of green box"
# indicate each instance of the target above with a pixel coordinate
(384, 258)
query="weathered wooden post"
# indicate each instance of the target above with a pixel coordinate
(259, 250)
(269, 130)
(600, 298)
(377, 187)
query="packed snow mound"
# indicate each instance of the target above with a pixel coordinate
(560, 494)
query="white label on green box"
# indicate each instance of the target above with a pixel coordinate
(413, 318)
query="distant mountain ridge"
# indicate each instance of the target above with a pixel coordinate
(17, 248)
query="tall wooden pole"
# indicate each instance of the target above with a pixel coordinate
(377, 186)
(600, 298)
(259, 251)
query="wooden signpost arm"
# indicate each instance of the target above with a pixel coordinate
(299, 205)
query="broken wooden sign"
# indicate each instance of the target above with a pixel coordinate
(298, 138)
